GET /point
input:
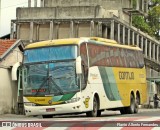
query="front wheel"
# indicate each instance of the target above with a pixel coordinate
(99, 113)
(94, 112)
(123, 110)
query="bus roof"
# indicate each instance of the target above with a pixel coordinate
(78, 41)
(53, 43)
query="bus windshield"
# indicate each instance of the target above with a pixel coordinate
(54, 53)
(54, 77)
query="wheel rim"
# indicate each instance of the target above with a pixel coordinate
(137, 102)
(95, 106)
(132, 104)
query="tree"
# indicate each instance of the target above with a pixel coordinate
(140, 22)
(151, 23)
(154, 19)
(153, 3)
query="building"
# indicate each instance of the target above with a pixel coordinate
(10, 54)
(70, 18)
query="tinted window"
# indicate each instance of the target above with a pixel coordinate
(100, 55)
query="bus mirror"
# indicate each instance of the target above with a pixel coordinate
(78, 65)
(14, 70)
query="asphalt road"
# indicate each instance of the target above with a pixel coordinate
(146, 119)
(105, 114)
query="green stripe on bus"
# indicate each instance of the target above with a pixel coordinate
(113, 83)
(67, 96)
(109, 83)
(57, 98)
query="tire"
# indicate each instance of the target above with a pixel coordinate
(123, 110)
(47, 116)
(94, 112)
(99, 113)
(131, 108)
(137, 103)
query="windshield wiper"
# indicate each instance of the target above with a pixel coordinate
(42, 85)
(56, 86)
(50, 80)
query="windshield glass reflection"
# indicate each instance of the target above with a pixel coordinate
(50, 78)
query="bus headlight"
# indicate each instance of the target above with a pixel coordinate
(73, 100)
(29, 104)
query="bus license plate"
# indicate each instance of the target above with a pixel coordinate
(50, 109)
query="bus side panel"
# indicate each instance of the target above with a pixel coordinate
(128, 80)
(98, 83)
(144, 86)
(114, 86)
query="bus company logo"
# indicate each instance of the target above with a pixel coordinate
(50, 102)
(94, 76)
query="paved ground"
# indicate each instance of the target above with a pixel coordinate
(3, 116)
(110, 120)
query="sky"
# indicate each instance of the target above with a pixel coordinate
(8, 13)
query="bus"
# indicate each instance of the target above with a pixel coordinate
(82, 75)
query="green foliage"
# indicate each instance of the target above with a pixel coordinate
(139, 22)
(153, 25)
(154, 19)
(156, 1)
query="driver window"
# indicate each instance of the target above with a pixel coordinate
(84, 76)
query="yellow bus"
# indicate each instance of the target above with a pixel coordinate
(82, 75)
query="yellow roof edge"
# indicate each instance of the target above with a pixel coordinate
(114, 43)
(103, 40)
(69, 41)
(53, 42)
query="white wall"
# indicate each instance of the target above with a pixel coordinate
(8, 91)
(8, 88)
(14, 57)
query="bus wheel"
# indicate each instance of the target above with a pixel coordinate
(99, 113)
(47, 116)
(131, 108)
(94, 112)
(137, 102)
(123, 110)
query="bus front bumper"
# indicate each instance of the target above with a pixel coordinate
(53, 109)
